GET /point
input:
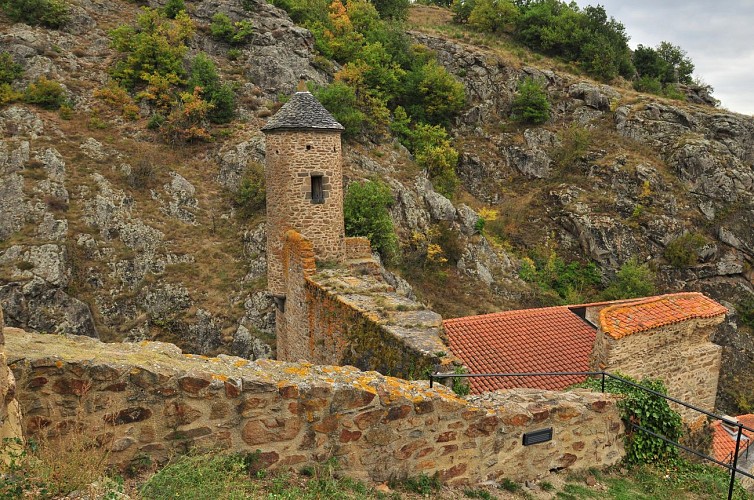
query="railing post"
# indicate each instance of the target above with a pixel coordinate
(431, 380)
(603, 381)
(735, 462)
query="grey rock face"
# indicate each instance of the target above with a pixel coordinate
(40, 306)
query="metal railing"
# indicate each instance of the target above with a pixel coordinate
(732, 467)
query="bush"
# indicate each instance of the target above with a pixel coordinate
(10, 71)
(234, 33)
(631, 281)
(574, 143)
(173, 7)
(745, 310)
(392, 9)
(49, 13)
(340, 100)
(683, 251)
(187, 122)
(650, 411)
(212, 476)
(433, 95)
(48, 94)
(251, 195)
(492, 15)
(153, 52)
(365, 209)
(573, 282)
(530, 104)
(223, 102)
(8, 95)
(203, 74)
(436, 155)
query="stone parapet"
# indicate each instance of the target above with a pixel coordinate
(348, 315)
(150, 399)
(10, 415)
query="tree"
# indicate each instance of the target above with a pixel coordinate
(392, 9)
(365, 209)
(530, 104)
(678, 67)
(631, 281)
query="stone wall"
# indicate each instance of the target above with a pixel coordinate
(680, 354)
(348, 315)
(292, 157)
(10, 416)
(150, 399)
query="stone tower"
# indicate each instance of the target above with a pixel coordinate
(304, 183)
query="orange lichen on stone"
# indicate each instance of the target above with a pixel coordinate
(625, 319)
(59, 364)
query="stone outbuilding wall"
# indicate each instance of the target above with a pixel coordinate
(150, 399)
(680, 353)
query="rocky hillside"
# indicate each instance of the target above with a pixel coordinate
(108, 230)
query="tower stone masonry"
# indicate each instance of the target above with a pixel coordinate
(304, 183)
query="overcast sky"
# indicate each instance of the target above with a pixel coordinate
(717, 35)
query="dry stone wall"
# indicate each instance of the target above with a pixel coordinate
(150, 399)
(680, 354)
(10, 416)
(348, 315)
(292, 158)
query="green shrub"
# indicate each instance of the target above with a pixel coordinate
(223, 101)
(45, 93)
(683, 251)
(392, 9)
(365, 209)
(203, 74)
(340, 100)
(234, 33)
(745, 310)
(574, 143)
(573, 282)
(647, 410)
(8, 95)
(632, 280)
(173, 7)
(49, 13)
(152, 51)
(10, 71)
(435, 154)
(432, 94)
(648, 84)
(530, 105)
(201, 476)
(493, 15)
(251, 195)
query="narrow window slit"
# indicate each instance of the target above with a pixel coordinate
(318, 194)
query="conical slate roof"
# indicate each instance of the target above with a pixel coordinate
(303, 111)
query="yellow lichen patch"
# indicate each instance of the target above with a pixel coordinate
(59, 364)
(300, 370)
(144, 343)
(240, 363)
(363, 384)
(219, 377)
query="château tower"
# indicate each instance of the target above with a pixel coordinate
(304, 182)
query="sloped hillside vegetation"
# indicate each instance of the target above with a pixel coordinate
(519, 168)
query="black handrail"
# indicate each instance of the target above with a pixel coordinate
(733, 468)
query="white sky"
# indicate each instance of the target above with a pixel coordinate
(717, 35)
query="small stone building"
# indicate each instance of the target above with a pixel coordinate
(666, 337)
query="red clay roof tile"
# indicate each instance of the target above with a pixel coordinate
(625, 319)
(551, 339)
(724, 443)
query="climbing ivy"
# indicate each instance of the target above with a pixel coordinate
(648, 410)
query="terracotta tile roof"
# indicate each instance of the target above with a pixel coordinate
(551, 339)
(724, 443)
(627, 318)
